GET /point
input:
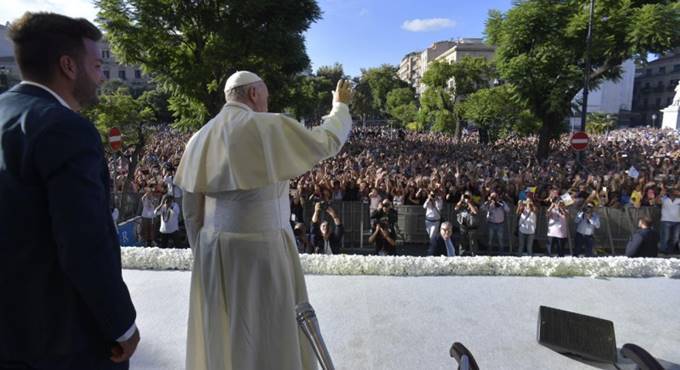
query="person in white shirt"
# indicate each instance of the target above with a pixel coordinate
(527, 226)
(586, 223)
(147, 228)
(168, 210)
(433, 213)
(557, 228)
(670, 220)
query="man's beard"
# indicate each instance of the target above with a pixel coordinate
(85, 90)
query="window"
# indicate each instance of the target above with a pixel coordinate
(105, 54)
(648, 72)
(646, 85)
(658, 102)
(659, 84)
(676, 68)
(645, 103)
(121, 75)
(662, 70)
(138, 74)
(107, 75)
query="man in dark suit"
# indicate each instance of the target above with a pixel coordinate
(326, 240)
(443, 243)
(64, 303)
(644, 241)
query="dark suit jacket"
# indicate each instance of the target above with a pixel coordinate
(643, 243)
(335, 239)
(60, 267)
(438, 246)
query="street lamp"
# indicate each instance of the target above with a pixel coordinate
(586, 68)
(654, 120)
(586, 73)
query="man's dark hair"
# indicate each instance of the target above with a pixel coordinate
(646, 221)
(40, 39)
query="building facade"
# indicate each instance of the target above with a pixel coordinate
(409, 68)
(611, 97)
(414, 65)
(467, 47)
(654, 88)
(131, 75)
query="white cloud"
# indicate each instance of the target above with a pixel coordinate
(424, 25)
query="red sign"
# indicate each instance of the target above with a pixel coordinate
(579, 140)
(115, 139)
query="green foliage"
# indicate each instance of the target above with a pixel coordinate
(600, 123)
(541, 49)
(312, 96)
(120, 109)
(447, 84)
(157, 100)
(462, 77)
(362, 99)
(192, 47)
(401, 105)
(500, 111)
(381, 80)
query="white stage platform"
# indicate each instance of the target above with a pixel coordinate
(376, 322)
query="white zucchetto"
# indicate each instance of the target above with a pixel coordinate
(240, 78)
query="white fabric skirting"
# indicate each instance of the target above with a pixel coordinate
(181, 259)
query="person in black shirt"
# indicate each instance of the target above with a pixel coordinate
(643, 242)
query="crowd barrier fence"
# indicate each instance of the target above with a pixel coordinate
(617, 224)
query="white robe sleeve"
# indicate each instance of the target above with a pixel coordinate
(194, 206)
(290, 149)
(240, 149)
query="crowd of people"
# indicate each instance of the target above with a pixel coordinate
(632, 167)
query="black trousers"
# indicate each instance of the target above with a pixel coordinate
(175, 239)
(81, 361)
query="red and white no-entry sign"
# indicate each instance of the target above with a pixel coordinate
(115, 139)
(579, 140)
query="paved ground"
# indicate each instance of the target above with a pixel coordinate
(373, 322)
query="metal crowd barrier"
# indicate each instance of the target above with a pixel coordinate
(617, 224)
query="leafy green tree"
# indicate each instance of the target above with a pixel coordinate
(333, 73)
(541, 49)
(447, 85)
(401, 105)
(600, 123)
(191, 47)
(498, 112)
(362, 100)
(312, 95)
(119, 109)
(381, 80)
(156, 99)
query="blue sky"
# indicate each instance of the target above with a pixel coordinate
(355, 33)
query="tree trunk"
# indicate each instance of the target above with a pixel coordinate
(544, 137)
(483, 135)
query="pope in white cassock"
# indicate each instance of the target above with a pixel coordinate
(246, 278)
